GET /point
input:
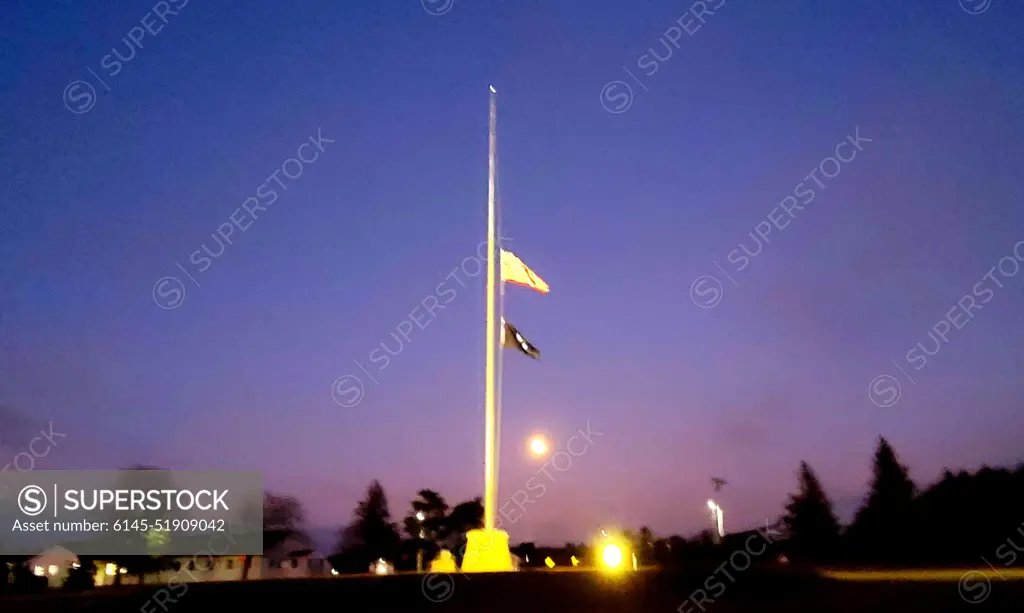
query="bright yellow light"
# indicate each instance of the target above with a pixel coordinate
(612, 555)
(549, 562)
(538, 446)
(111, 569)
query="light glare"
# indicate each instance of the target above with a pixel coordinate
(538, 446)
(612, 556)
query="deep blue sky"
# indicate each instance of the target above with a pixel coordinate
(618, 212)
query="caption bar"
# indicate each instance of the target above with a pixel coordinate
(131, 512)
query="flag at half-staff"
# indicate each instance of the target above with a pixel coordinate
(513, 270)
(511, 338)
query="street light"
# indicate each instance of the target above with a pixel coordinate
(716, 516)
(420, 516)
(612, 555)
(613, 552)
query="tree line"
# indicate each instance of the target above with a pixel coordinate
(957, 520)
(961, 519)
(373, 535)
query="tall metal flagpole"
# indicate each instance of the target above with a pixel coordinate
(493, 327)
(487, 548)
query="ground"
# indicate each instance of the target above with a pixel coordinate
(561, 592)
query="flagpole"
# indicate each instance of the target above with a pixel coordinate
(498, 395)
(493, 323)
(487, 548)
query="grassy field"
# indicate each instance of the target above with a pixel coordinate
(563, 592)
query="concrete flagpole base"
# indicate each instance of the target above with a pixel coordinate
(487, 552)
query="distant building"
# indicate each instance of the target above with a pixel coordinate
(55, 564)
(285, 555)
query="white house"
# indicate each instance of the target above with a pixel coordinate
(285, 556)
(290, 555)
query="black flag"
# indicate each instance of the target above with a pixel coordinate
(510, 337)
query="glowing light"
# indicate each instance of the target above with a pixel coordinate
(493, 91)
(110, 569)
(612, 555)
(717, 513)
(420, 516)
(550, 563)
(538, 446)
(334, 572)
(38, 570)
(53, 569)
(381, 568)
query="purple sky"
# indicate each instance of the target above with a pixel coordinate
(619, 212)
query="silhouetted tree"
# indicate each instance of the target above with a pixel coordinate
(703, 540)
(282, 512)
(464, 517)
(645, 545)
(963, 513)
(372, 534)
(882, 529)
(434, 509)
(812, 526)
(425, 535)
(669, 551)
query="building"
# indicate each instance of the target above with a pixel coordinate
(54, 563)
(285, 556)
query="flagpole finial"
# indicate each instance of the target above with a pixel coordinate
(493, 91)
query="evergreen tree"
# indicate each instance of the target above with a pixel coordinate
(372, 534)
(882, 528)
(812, 526)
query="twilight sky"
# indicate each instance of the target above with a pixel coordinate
(106, 191)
